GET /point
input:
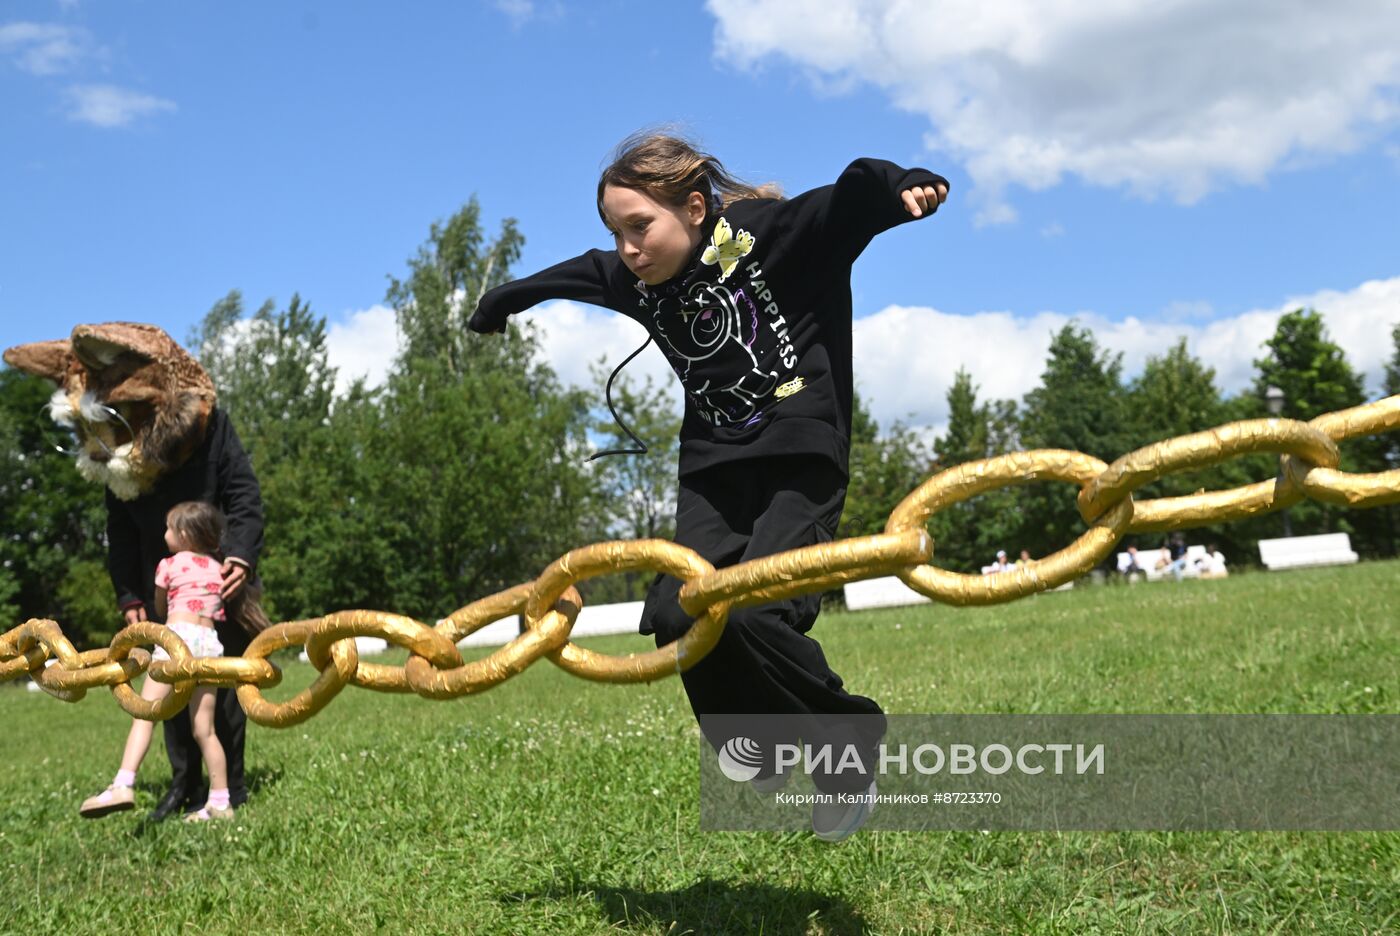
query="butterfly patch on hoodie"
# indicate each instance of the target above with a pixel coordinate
(726, 248)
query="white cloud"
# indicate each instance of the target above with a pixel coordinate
(519, 11)
(1173, 97)
(523, 11)
(363, 345)
(42, 48)
(1052, 230)
(905, 357)
(572, 337)
(1186, 309)
(111, 106)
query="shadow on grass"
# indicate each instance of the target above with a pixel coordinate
(258, 780)
(712, 906)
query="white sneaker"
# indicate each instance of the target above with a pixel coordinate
(833, 822)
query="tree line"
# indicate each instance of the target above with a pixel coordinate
(466, 471)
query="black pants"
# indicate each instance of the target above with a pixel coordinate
(230, 725)
(764, 663)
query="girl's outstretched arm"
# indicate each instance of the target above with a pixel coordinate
(870, 196)
(590, 278)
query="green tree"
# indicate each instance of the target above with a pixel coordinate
(50, 518)
(477, 460)
(9, 607)
(1080, 405)
(1315, 377)
(86, 595)
(635, 494)
(446, 279)
(334, 539)
(1310, 369)
(965, 439)
(274, 379)
(1392, 368)
(272, 372)
(1176, 395)
(638, 492)
(967, 535)
(481, 477)
(884, 468)
(1003, 427)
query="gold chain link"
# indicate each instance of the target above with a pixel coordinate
(550, 604)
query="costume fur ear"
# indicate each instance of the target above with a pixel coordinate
(120, 351)
(100, 346)
(47, 359)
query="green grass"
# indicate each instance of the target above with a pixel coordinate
(553, 805)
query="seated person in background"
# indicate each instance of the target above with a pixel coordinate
(1212, 564)
(1133, 564)
(1025, 558)
(1164, 559)
(1000, 565)
(1177, 548)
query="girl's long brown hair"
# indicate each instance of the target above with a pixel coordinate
(200, 527)
(669, 167)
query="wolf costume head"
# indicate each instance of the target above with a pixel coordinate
(136, 402)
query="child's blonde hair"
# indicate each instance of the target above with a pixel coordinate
(669, 167)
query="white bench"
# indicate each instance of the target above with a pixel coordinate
(593, 621)
(891, 592)
(365, 646)
(596, 621)
(1295, 552)
(886, 592)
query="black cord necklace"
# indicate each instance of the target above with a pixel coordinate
(641, 448)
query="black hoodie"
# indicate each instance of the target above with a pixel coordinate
(758, 328)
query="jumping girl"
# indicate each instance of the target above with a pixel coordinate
(748, 295)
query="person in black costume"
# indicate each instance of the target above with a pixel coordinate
(144, 424)
(218, 473)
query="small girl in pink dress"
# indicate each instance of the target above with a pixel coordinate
(187, 597)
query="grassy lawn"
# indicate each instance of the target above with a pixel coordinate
(553, 805)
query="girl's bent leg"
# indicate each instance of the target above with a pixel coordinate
(119, 795)
(764, 662)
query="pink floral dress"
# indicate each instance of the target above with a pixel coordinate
(191, 584)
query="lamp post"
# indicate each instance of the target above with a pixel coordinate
(1274, 398)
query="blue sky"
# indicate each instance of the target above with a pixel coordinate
(1183, 167)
